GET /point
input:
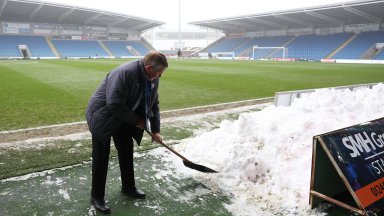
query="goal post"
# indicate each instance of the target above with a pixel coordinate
(224, 55)
(269, 52)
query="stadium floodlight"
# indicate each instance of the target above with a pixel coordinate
(269, 52)
(224, 55)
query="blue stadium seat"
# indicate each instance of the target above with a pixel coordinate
(262, 42)
(119, 48)
(227, 45)
(37, 45)
(79, 48)
(316, 47)
(380, 56)
(360, 45)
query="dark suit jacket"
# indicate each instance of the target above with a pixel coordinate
(116, 101)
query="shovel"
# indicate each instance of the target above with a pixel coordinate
(186, 162)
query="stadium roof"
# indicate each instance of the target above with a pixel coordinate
(45, 12)
(355, 12)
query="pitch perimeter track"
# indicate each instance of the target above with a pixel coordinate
(78, 127)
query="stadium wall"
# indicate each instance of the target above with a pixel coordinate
(74, 32)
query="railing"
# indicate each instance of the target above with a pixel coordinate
(287, 98)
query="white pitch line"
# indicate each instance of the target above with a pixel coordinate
(163, 112)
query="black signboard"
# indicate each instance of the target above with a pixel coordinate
(350, 160)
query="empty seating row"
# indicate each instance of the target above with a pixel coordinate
(37, 45)
(316, 47)
(262, 42)
(380, 56)
(362, 42)
(313, 47)
(79, 48)
(126, 48)
(227, 45)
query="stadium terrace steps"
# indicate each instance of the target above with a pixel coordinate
(146, 44)
(105, 48)
(53, 48)
(341, 46)
(273, 53)
(363, 41)
(316, 47)
(126, 48)
(240, 45)
(227, 45)
(212, 44)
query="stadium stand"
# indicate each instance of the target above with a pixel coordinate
(124, 48)
(227, 45)
(380, 56)
(356, 48)
(37, 45)
(312, 47)
(79, 48)
(316, 47)
(247, 48)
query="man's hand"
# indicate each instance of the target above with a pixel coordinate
(156, 137)
(141, 123)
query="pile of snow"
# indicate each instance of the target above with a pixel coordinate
(264, 158)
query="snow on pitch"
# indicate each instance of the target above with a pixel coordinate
(264, 158)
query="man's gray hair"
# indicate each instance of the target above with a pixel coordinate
(156, 60)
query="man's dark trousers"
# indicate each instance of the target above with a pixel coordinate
(100, 155)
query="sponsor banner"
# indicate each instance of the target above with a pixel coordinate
(96, 28)
(118, 30)
(359, 61)
(284, 59)
(42, 31)
(44, 26)
(16, 28)
(71, 32)
(328, 60)
(16, 25)
(242, 58)
(11, 30)
(358, 152)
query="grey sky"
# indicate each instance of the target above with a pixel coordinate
(192, 10)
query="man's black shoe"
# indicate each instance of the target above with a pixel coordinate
(100, 205)
(134, 193)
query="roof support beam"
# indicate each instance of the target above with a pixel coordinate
(3, 6)
(119, 21)
(323, 17)
(228, 26)
(223, 26)
(244, 25)
(67, 13)
(362, 14)
(208, 28)
(266, 22)
(293, 20)
(140, 26)
(35, 11)
(93, 18)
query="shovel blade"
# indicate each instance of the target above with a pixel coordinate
(198, 167)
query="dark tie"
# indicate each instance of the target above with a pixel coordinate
(147, 95)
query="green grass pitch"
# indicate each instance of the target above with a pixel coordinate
(44, 92)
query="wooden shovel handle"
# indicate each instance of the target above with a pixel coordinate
(169, 148)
